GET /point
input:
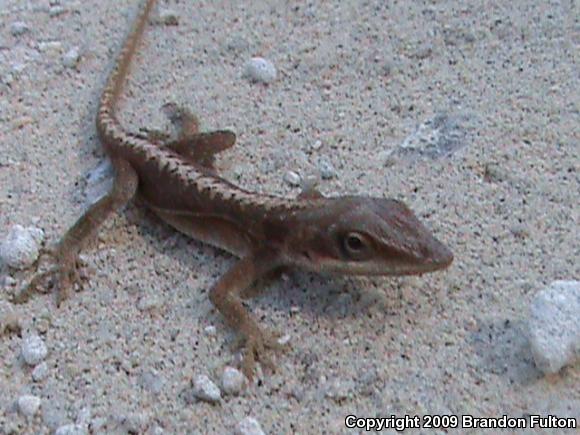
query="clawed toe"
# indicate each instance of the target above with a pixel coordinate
(59, 278)
(258, 348)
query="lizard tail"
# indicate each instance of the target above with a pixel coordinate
(107, 123)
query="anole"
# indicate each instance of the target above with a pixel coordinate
(176, 178)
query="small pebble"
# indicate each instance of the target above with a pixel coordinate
(555, 326)
(155, 430)
(99, 182)
(239, 171)
(326, 168)
(249, 426)
(28, 405)
(285, 339)
(316, 145)
(55, 11)
(40, 372)
(152, 381)
(98, 424)
(237, 44)
(21, 246)
(71, 58)
(338, 390)
(258, 69)
(134, 423)
(10, 321)
(204, 389)
(309, 183)
(8, 281)
(292, 178)
(50, 47)
(210, 330)
(84, 415)
(54, 414)
(33, 350)
(72, 429)
(233, 381)
(18, 28)
(439, 136)
(169, 17)
(386, 157)
(148, 303)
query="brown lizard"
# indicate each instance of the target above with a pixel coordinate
(350, 235)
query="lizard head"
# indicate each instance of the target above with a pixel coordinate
(366, 236)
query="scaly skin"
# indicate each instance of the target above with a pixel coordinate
(346, 235)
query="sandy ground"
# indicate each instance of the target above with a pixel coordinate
(359, 77)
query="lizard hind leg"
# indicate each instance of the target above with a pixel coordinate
(65, 270)
(196, 147)
(182, 119)
(201, 148)
(185, 125)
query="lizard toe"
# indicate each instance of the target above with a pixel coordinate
(259, 348)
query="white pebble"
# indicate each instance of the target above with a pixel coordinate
(17, 28)
(98, 424)
(21, 246)
(71, 58)
(258, 69)
(148, 303)
(33, 350)
(292, 178)
(285, 339)
(50, 47)
(40, 372)
(210, 330)
(317, 145)
(8, 281)
(233, 381)
(17, 68)
(55, 11)
(10, 320)
(204, 389)
(249, 426)
(555, 326)
(134, 423)
(386, 158)
(326, 169)
(99, 182)
(169, 17)
(71, 429)
(338, 389)
(152, 381)
(155, 430)
(28, 405)
(84, 416)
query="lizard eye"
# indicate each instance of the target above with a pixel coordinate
(355, 244)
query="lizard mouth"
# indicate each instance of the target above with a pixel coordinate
(356, 268)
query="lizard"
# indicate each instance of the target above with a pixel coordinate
(176, 178)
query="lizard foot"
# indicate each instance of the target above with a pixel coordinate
(60, 277)
(258, 345)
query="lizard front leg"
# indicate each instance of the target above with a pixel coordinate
(226, 297)
(66, 256)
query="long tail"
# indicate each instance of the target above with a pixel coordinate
(107, 123)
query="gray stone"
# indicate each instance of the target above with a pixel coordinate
(555, 326)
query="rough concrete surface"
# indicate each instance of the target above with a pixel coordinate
(491, 89)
